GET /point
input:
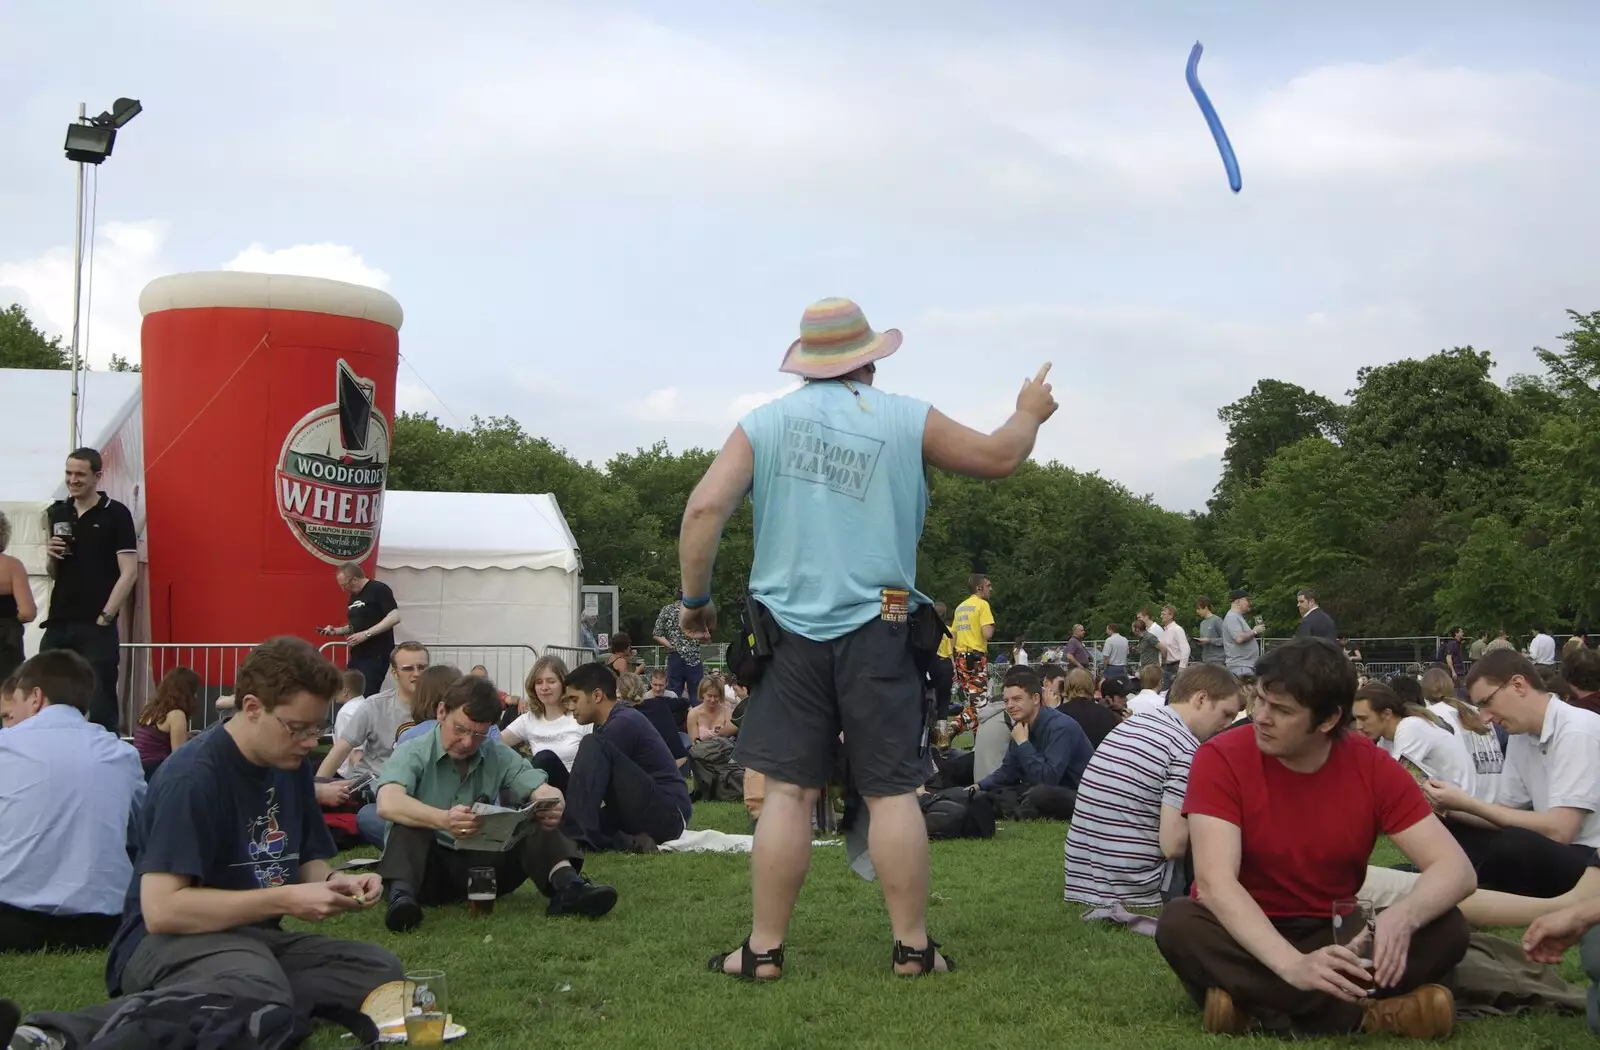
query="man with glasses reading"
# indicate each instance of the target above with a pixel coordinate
(1539, 836)
(427, 792)
(373, 730)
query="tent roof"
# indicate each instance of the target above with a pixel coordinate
(37, 403)
(474, 530)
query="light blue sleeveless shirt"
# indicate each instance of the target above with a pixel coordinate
(840, 495)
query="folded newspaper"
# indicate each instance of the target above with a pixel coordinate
(502, 827)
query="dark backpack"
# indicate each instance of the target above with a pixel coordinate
(954, 814)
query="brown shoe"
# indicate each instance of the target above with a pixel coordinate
(1221, 1017)
(1427, 1013)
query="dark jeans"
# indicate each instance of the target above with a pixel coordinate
(555, 770)
(942, 676)
(373, 668)
(1516, 860)
(610, 797)
(10, 645)
(438, 874)
(33, 931)
(102, 648)
(684, 677)
(1204, 955)
(315, 976)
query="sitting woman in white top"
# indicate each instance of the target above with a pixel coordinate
(1418, 739)
(548, 728)
(1481, 741)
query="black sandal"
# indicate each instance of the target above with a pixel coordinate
(748, 961)
(926, 958)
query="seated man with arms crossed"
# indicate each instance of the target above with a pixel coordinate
(626, 791)
(68, 793)
(229, 841)
(427, 791)
(1539, 835)
(1045, 756)
(1129, 821)
(1282, 821)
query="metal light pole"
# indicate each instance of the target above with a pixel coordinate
(77, 287)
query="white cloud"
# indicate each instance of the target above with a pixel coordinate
(658, 406)
(743, 403)
(336, 262)
(127, 256)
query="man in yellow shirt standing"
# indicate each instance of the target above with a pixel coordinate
(974, 626)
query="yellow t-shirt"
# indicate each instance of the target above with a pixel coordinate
(944, 646)
(972, 616)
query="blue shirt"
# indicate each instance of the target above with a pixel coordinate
(1055, 753)
(635, 737)
(69, 791)
(840, 492)
(223, 821)
(427, 727)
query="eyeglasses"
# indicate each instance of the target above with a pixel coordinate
(409, 668)
(301, 733)
(462, 730)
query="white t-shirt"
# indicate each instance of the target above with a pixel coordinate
(341, 722)
(1433, 751)
(1145, 702)
(1488, 761)
(1558, 768)
(1542, 650)
(1021, 658)
(560, 735)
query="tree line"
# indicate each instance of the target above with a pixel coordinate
(1428, 496)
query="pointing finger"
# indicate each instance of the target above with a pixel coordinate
(1044, 370)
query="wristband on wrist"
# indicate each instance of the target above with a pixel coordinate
(696, 603)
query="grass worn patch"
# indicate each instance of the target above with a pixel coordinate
(1031, 973)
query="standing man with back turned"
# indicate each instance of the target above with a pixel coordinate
(837, 474)
(373, 616)
(94, 559)
(972, 631)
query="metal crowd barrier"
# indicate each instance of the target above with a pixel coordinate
(507, 664)
(144, 664)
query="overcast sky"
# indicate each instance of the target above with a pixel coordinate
(605, 219)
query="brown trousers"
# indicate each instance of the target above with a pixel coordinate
(1204, 955)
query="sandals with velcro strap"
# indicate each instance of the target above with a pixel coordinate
(927, 959)
(748, 961)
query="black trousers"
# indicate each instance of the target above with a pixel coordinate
(438, 874)
(33, 931)
(555, 770)
(102, 647)
(1516, 860)
(373, 668)
(609, 797)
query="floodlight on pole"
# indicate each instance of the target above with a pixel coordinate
(89, 142)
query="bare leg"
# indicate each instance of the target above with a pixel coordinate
(778, 866)
(898, 842)
(1493, 908)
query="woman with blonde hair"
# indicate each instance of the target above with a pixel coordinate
(547, 727)
(1480, 739)
(717, 777)
(163, 725)
(16, 604)
(630, 689)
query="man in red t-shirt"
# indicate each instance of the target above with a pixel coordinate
(1282, 822)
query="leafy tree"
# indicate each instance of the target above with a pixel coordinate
(1196, 577)
(23, 345)
(122, 364)
(1125, 593)
(1272, 416)
(1497, 581)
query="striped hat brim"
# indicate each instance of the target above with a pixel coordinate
(813, 362)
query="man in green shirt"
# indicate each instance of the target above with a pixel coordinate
(426, 793)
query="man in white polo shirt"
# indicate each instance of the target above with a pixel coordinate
(1129, 817)
(1540, 835)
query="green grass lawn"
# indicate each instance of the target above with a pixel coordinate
(1031, 974)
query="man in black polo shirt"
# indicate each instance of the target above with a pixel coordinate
(94, 560)
(374, 614)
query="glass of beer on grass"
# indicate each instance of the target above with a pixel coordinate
(428, 1009)
(481, 892)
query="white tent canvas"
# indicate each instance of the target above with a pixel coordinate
(496, 573)
(37, 404)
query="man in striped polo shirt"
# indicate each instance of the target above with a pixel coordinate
(1129, 817)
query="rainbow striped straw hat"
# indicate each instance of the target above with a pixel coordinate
(835, 340)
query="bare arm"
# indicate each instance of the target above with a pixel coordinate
(400, 808)
(127, 576)
(336, 755)
(1447, 875)
(1174, 834)
(710, 506)
(950, 446)
(177, 727)
(388, 623)
(1560, 824)
(1217, 850)
(173, 905)
(26, 609)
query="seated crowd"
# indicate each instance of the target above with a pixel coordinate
(1245, 808)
